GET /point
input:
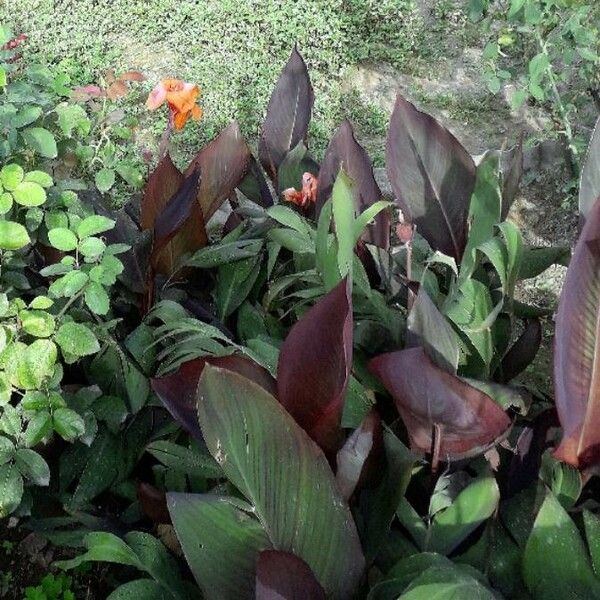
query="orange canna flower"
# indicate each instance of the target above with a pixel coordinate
(181, 98)
(306, 196)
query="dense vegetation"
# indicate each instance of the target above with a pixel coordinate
(259, 377)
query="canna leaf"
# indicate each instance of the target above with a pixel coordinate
(523, 351)
(179, 229)
(589, 186)
(432, 176)
(426, 396)
(344, 152)
(221, 541)
(162, 185)
(285, 476)
(178, 391)
(284, 576)
(288, 115)
(314, 367)
(223, 164)
(577, 350)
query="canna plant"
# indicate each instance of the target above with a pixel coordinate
(278, 361)
(344, 376)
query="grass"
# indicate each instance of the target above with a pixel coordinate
(233, 48)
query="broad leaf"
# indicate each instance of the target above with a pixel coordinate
(288, 115)
(577, 350)
(432, 176)
(162, 185)
(178, 391)
(473, 505)
(426, 396)
(556, 550)
(471, 310)
(255, 186)
(283, 576)
(344, 152)
(379, 505)
(292, 168)
(484, 211)
(592, 535)
(353, 457)
(283, 474)
(536, 259)
(448, 583)
(314, 367)
(428, 328)
(343, 217)
(179, 228)
(221, 540)
(223, 164)
(138, 588)
(521, 354)
(235, 280)
(589, 186)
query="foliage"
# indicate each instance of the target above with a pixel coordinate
(324, 396)
(51, 588)
(57, 270)
(550, 52)
(41, 123)
(90, 37)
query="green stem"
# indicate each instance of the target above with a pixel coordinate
(562, 111)
(68, 304)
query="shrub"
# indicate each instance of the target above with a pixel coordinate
(550, 51)
(323, 394)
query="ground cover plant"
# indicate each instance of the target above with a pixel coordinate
(265, 379)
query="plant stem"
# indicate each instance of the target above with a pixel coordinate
(69, 303)
(163, 146)
(562, 111)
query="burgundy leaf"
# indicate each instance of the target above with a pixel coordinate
(162, 185)
(285, 576)
(288, 115)
(223, 164)
(178, 391)
(524, 466)
(233, 221)
(512, 178)
(153, 503)
(523, 351)
(432, 176)
(255, 186)
(344, 152)
(577, 352)
(357, 453)
(368, 262)
(314, 366)
(179, 228)
(427, 397)
(127, 231)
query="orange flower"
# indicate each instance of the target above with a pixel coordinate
(308, 194)
(181, 98)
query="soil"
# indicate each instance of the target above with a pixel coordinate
(25, 558)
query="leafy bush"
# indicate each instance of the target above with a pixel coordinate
(551, 52)
(56, 275)
(41, 121)
(302, 387)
